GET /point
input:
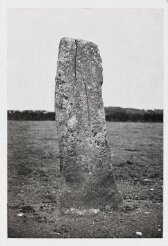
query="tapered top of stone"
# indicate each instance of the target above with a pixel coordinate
(86, 55)
(70, 41)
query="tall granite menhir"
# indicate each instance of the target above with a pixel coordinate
(86, 172)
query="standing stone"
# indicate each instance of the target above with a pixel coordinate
(86, 172)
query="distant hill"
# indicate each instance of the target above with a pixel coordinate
(133, 114)
(111, 114)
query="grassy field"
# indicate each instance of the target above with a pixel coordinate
(137, 156)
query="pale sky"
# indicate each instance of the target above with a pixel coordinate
(130, 43)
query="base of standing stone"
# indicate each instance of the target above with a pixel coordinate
(97, 193)
(81, 212)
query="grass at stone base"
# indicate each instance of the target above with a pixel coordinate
(136, 150)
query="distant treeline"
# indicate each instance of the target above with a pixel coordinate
(30, 115)
(111, 114)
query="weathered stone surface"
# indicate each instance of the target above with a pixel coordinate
(87, 179)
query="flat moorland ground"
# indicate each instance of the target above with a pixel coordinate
(137, 156)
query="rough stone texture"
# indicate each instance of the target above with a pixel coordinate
(87, 179)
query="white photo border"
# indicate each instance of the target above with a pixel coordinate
(10, 4)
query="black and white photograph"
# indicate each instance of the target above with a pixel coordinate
(85, 109)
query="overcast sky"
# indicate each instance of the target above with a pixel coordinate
(130, 43)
